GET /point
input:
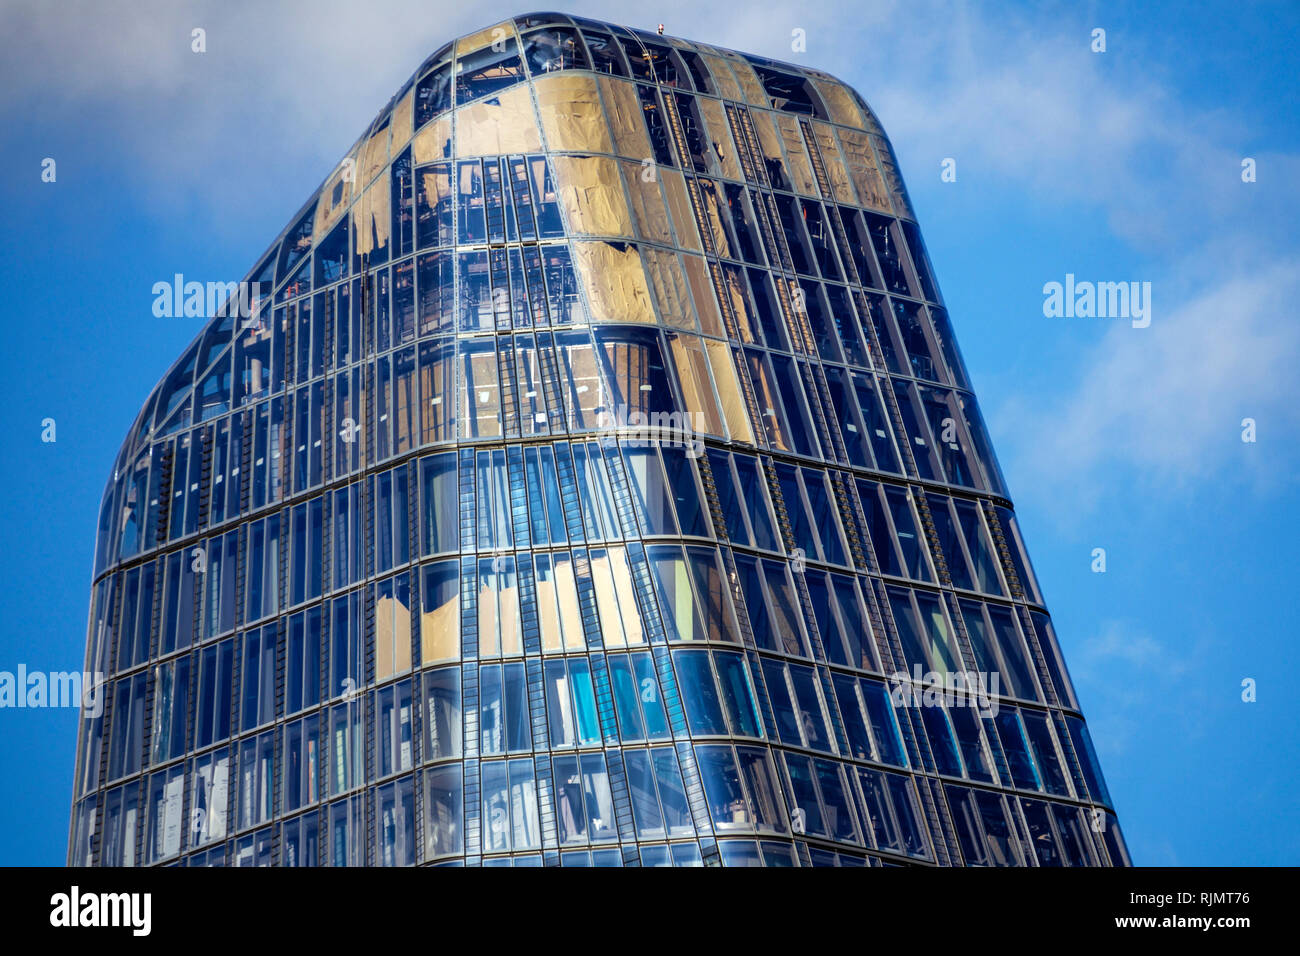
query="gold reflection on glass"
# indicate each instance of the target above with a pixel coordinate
(626, 596)
(372, 217)
(830, 155)
(437, 374)
(548, 610)
(614, 281)
(693, 377)
(566, 592)
(797, 163)
(480, 399)
(729, 395)
(728, 88)
(669, 283)
(587, 394)
(606, 602)
(402, 122)
(706, 306)
(512, 635)
(373, 157)
(440, 630)
(862, 167)
(571, 115)
(505, 123)
(392, 637)
(738, 300)
(335, 196)
(648, 206)
(889, 172)
(625, 120)
(591, 195)
(433, 143)
(498, 33)
(749, 82)
(688, 237)
(839, 102)
(719, 135)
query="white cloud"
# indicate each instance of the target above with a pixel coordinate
(1126, 677)
(1168, 400)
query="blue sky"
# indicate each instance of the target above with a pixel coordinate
(1115, 166)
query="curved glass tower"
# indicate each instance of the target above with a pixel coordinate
(588, 475)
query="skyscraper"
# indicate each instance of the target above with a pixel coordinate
(588, 475)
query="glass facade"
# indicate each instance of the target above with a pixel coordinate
(595, 481)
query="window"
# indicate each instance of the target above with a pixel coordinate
(212, 715)
(797, 705)
(775, 619)
(646, 478)
(440, 612)
(672, 578)
(443, 822)
(346, 761)
(171, 705)
(942, 746)
(391, 519)
(659, 804)
(218, 585)
(300, 766)
(967, 727)
(884, 727)
(345, 645)
(263, 573)
(1087, 755)
(177, 625)
(300, 841)
(137, 615)
(820, 800)
(256, 775)
(637, 698)
(1052, 657)
(753, 804)
(1011, 733)
(121, 813)
(257, 705)
(488, 70)
(305, 552)
(1042, 741)
(302, 664)
(393, 743)
(558, 614)
(510, 817)
(499, 628)
(392, 603)
(442, 719)
(570, 702)
(126, 745)
(923, 630)
(164, 826)
(890, 806)
(346, 846)
(584, 806)
(504, 725)
(699, 693)
(395, 823)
